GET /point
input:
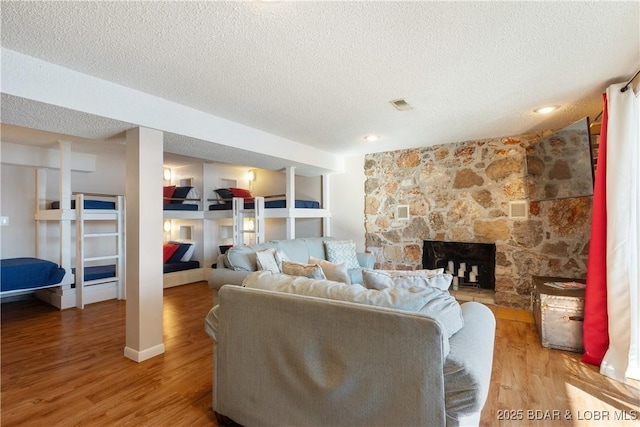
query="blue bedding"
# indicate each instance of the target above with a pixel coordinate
(98, 272)
(270, 204)
(28, 273)
(88, 204)
(180, 207)
(179, 266)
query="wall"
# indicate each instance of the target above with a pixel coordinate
(347, 202)
(461, 192)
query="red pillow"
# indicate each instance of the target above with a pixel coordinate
(167, 191)
(242, 192)
(168, 249)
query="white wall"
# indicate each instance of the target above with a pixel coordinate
(347, 202)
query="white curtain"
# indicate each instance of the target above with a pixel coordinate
(622, 359)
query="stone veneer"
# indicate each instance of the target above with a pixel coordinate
(461, 192)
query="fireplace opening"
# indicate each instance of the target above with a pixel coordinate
(471, 264)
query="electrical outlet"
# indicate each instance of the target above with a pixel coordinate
(4, 221)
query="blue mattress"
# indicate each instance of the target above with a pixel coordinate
(180, 207)
(270, 204)
(88, 204)
(28, 273)
(180, 266)
(98, 272)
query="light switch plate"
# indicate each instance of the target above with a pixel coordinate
(4, 221)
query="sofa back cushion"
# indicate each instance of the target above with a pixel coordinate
(382, 279)
(299, 250)
(243, 258)
(430, 301)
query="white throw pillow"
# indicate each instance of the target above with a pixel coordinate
(333, 271)
(312, 271)
(382, 279)
(342, 251)
(266, 260)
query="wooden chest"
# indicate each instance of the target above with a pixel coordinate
(558, 313)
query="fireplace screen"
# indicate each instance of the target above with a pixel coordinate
(471, 264)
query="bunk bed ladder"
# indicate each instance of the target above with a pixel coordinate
(81, 259)
(240, 214)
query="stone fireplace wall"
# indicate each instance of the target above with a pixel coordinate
(461, 192)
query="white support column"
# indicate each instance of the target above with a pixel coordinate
(41, 204)
(291, 200)
(326, 204)
(65, 204)
(144, 244)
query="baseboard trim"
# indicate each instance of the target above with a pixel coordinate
(141, 356)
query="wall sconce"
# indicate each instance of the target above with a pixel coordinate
(166, 174)
(167, 225)
(251, 175)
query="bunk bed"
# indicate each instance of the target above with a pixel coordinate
(18, 275)
(96, 276)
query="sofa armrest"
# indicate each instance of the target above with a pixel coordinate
(226, 276)
(366, 260)
(467, 369)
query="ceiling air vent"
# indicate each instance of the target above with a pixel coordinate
(401, 105)
(518, 209)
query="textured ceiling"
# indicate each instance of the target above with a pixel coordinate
(323, 73)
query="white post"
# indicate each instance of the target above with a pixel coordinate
(291, 200)
(65, 204)
(41, 226)
(144, 244)
(326, 204)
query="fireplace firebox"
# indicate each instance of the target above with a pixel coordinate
(471, 264)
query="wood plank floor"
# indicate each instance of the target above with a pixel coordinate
(66, 368)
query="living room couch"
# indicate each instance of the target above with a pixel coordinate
(345, 356)
(239, 261)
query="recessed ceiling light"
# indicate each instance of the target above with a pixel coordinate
(546, 110)
(371, 138)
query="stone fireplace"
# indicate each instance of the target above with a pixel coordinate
(460, 192)
(471, 264)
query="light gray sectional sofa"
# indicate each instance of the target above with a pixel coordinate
(297, 351)
(239, 261)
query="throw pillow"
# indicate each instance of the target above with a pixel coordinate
(242, 192)
(311, 271)
(181, 194)
(192, 195)
(179, 253)
(266, 260)
(342, 251)
(188, 254)
(224, 193)
(382, 279)
(333, 272)
(167, 193)
(280, 258)
(168, 249)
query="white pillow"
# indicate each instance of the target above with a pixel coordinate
(342, 251)
(382, 279)
(334, 272)
(266, 260)
(312, 271)
(192, 194)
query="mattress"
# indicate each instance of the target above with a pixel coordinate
(180, 207)
(28, 273)
(180, 266)
(88, 204)
(98, 272)
(271, 204)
